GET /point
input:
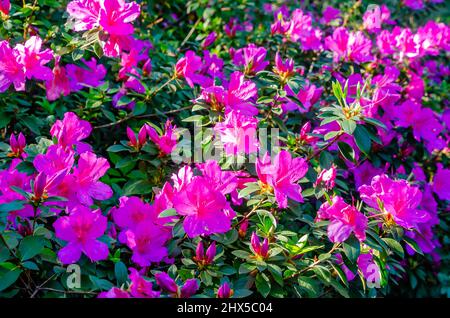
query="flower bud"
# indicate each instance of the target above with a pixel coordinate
(225, 291)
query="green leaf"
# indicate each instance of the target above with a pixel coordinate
(395, 246)
(346, 150)
(309, 285)
(352, 248)
(101, 284)
(263, 284)
(116, 148)
(31, 246)
(348, 125)
(362, 139)
(167, 212)
(121, 272)
(11, 206)
(413, 244)
(375, 122)
(8, 278)
(277, 273)
(241, 254)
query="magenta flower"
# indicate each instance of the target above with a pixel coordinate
(308, 95)
(285, 69)
(251, 58)
(90, 75)
(364, 173)
(59, 84)
(441, 182)
(240, 93)
(202, 258)
(167, 142)
(205, 208)
(169, 285)
(17, 146)
(225, 291)
(131, 212)
(224, 181)
(113, 16)
(327, 177)
(188, 68)
(232, 27)
(344, 220)
(304, 134)
(369, 269)
(11, 70)
(140, 141)
(260, 250)
(238, 133)
(54, 160)
(330, 14)
(45, 184)
(372, 19)
(5, 6)
(147, 241)
(209, 39)
(11, 177)
(349, 46)
(114, 293)
(399, 201)
(33, 59)
(280, 177)
(414, 4)
(81, 229)
(140, 287)
(85, 186)
(70, 131)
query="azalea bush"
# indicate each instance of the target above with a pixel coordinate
(224, 148)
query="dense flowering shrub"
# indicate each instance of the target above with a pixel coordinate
(224, 149)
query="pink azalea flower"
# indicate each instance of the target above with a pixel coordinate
(441, 182)
(11, 177)
(114, 16)
(232, 27)
(251, 58)
(17, 146)
(240, 92)
(399, 200)
(330, 14)
(70, 131)
(5, 6)
(33, 59)
(11, 70)
(59, 84)
(140, 287)
(414, 4)
(349, 46)
(114, 293)
(238, 133)
(372, 19)
(202, 258)
(167, 283)
(260, 250)
(285, 69)
(147, 241)
(369, 268)
(225, 291)
(131, 212)
(89, 75)
(166, 142)
(308, 95)
(327, 177)
(224, 181)
(140, 141)
(344, 220)
(84, 185)
(209, 39)
(81, 229)
(54, 160)
(204, 208)
(281, 176)
(188, 68)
